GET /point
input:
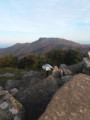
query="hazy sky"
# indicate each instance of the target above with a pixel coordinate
(27, 20)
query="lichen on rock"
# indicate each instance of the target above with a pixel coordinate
(10, 107)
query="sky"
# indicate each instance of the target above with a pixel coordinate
(24, 21)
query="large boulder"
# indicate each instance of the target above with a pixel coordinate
(35, 98)
(76, 68)
(86, 62)
(10, 109)
(64, 79)
(65, 69)
(29, 79)
(86, 71)
(31, 74)
(10, 84)
(71, 101)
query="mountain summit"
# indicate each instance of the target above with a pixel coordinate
(42, 45)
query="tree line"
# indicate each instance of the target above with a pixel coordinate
(54, 57)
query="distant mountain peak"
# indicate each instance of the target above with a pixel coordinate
(42, 45)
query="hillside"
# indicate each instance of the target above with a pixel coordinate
(41, 46)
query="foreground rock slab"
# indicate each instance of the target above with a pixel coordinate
(10, 109)
(71, 101)
(35, 98)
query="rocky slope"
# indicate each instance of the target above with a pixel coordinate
(10, 109)
(35, 91)
(71, 102)
(36, 97)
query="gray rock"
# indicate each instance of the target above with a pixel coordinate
(10, 107)
(76, 68)
(1, 88)
(7, 75)
(17, 118)
(86, 70)
(31, 74)
(86, 62)
(10, 84)
(71, 101)
(57, 72)
(36, 97)
(65, 69)
(4, 105)
(14, 91)
(89, 54)
(64, 79)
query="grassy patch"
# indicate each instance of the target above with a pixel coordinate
(15, 71)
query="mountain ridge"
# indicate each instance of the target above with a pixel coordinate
(42, 45)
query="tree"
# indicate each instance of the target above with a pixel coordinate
(8, 61)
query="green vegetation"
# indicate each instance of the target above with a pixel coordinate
(8, 61)
(15, 71)
(55, 57)
(68, 57)
(11, 64)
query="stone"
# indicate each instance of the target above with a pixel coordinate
(17, 118)
(13, 111)
(64, 79)
(89, 54)
(65, 69)
(86, 62)
(35, 97)
(86, 70)
(10, 107)
(4, 105)
(71, 101)
(31, 74)
(1, 88)
(7, 75)
(10, 84)
(57, 72)
(14, 91)
(76, 68)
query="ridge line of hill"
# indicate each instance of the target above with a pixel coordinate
(42, 45)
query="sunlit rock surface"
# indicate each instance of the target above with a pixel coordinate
(71, 101)
(10, 109)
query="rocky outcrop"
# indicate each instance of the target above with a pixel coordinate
(36, 97)
(64, 79)
(86, 70)
(28, 79)
(10, 109)
(71, 101)
(7, 75)
(65, 69)
(76, 68)
(57, 73)
(86, 62)
(31, 74)
(10, 84)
